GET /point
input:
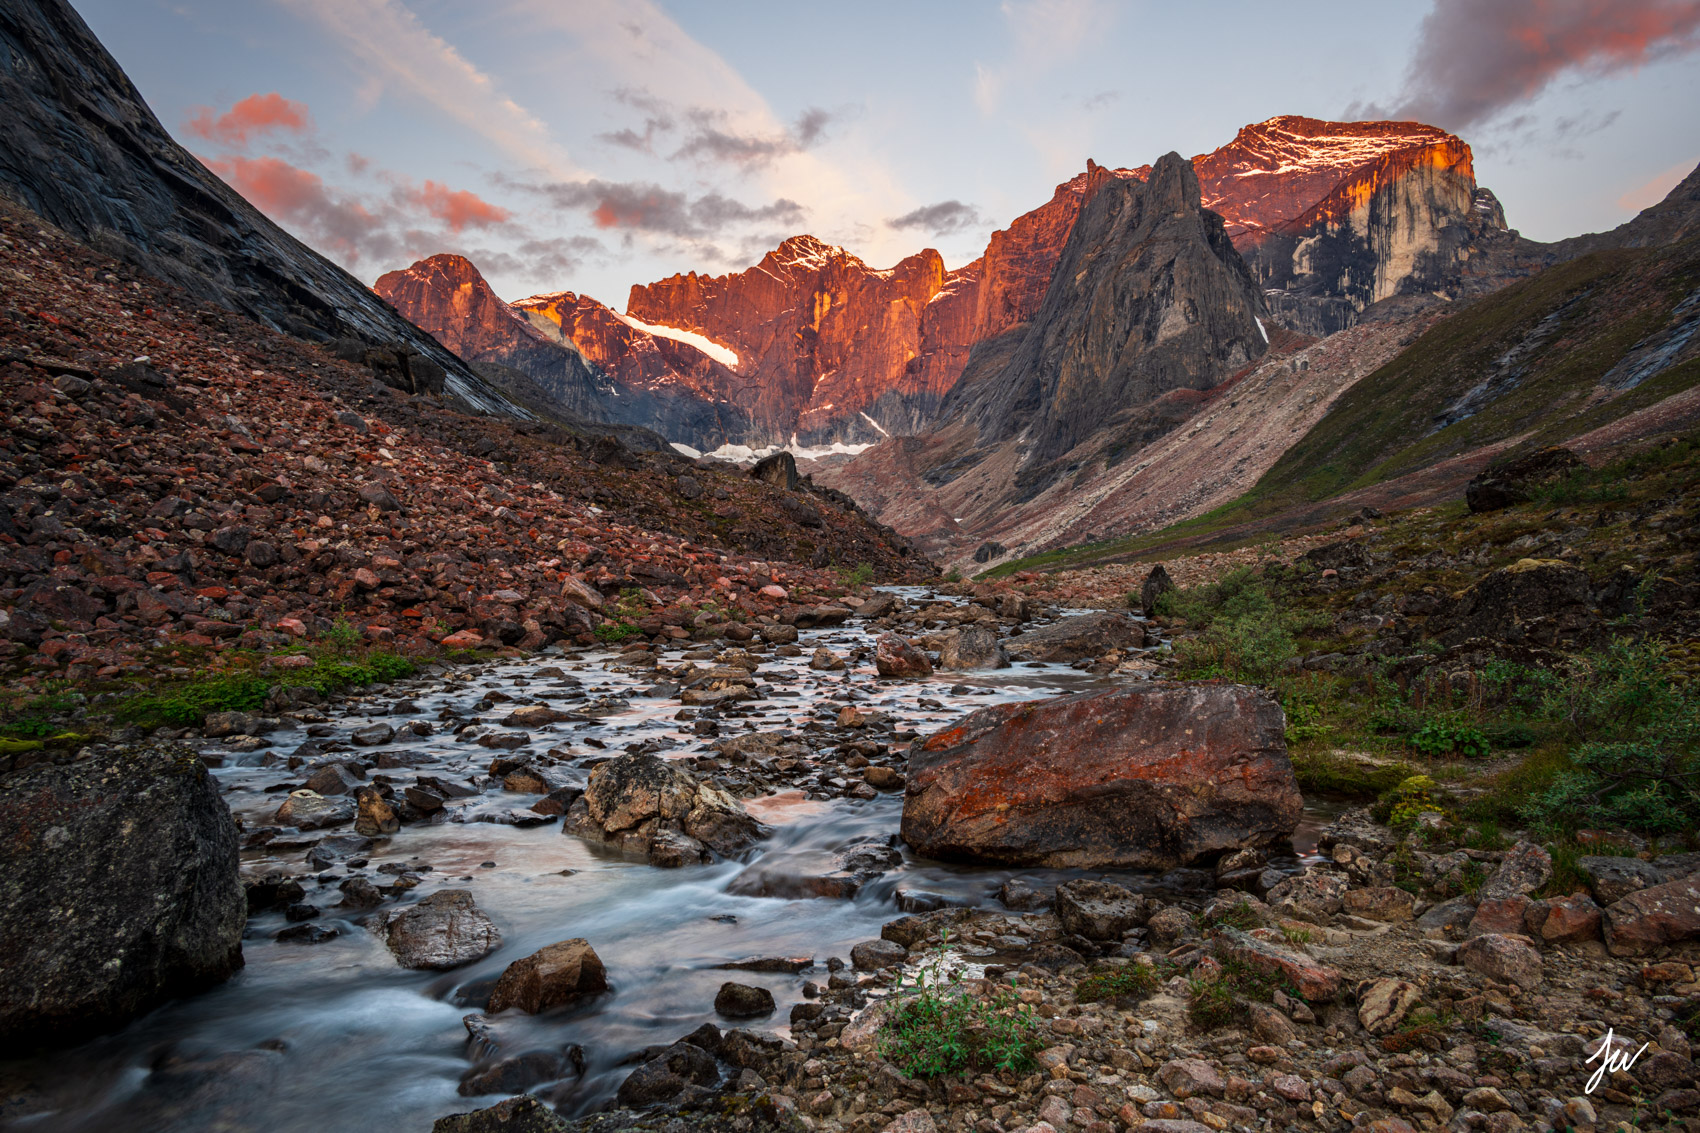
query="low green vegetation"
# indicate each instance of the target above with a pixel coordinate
(337, 662)
(859, 575)
(936, 1026)
(1608, 738)
(1130, 983)
(1220, 996)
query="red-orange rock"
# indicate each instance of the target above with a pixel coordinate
(896, 656)
(1564, 920)
(1148, 777)
(1648, 918)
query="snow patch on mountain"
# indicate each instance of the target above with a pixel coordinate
(724, 355)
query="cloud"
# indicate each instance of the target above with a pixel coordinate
(941, 219)
(336, 222)
(256, 114)
(457, 208)
(1473, 61)
(539, 259)
(710, 134)
(351, 228)
(1100, 100)
(390, 40)
(643, 206)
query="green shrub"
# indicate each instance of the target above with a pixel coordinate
(187, 703)
(1638, 766)
(1217, 1000)
(1238, 915)
(1403, 805)
(935, 1027)
(1438, 738)
(1129, 982)
(342, 637)
(1244, 634)
(1210, 1003)
(860, 575)
(616, 631)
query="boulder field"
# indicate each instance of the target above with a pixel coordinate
(1149, 776)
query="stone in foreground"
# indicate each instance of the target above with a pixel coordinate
(120, 883)
(1149, 778)
(1504, 957)
(743, 1001)
(524, 1114)
(443, 931)
(1314, 981)
(550, 977)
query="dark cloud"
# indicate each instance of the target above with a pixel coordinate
(1100, 100)
(539, 259)
(1475, 60)
(941, 219)
(643, 206)
(708, 134)
(811, 124)
(658, 119)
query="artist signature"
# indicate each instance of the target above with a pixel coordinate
(1611, 1059)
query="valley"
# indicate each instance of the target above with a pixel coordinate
(1222, 658)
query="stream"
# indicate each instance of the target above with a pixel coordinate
(335, 1036)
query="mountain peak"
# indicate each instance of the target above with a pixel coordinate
(445, 267)
(807, 251)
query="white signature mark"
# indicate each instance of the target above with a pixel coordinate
(1611, 1060)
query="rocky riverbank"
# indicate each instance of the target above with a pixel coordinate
(1334, 1001)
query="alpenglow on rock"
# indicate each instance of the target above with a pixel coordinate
(1149, 778)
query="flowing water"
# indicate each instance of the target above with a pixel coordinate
(336, 1036)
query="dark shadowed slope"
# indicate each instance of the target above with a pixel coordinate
(79, 146)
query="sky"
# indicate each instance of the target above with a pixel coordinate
(589, 145)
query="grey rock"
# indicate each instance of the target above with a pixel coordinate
(445, 930)
(1613, 879)
(743, 1001)
(524, 1114)
(1080, 636)
(121, 889)
(1100, 910)
(872, 955)
(973, 647)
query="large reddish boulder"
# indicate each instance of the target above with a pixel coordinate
(1149, 777)
(1648, 918)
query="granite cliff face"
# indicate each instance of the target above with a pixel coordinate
(1334, 216)
(79, 147)
(1148, 305)
(1149, 296)
(589, 361)
(833, 350)
(830, 347)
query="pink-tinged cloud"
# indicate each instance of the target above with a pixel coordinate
(458, 208)
(254, 115)
(339, 224)
(1476, 59)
